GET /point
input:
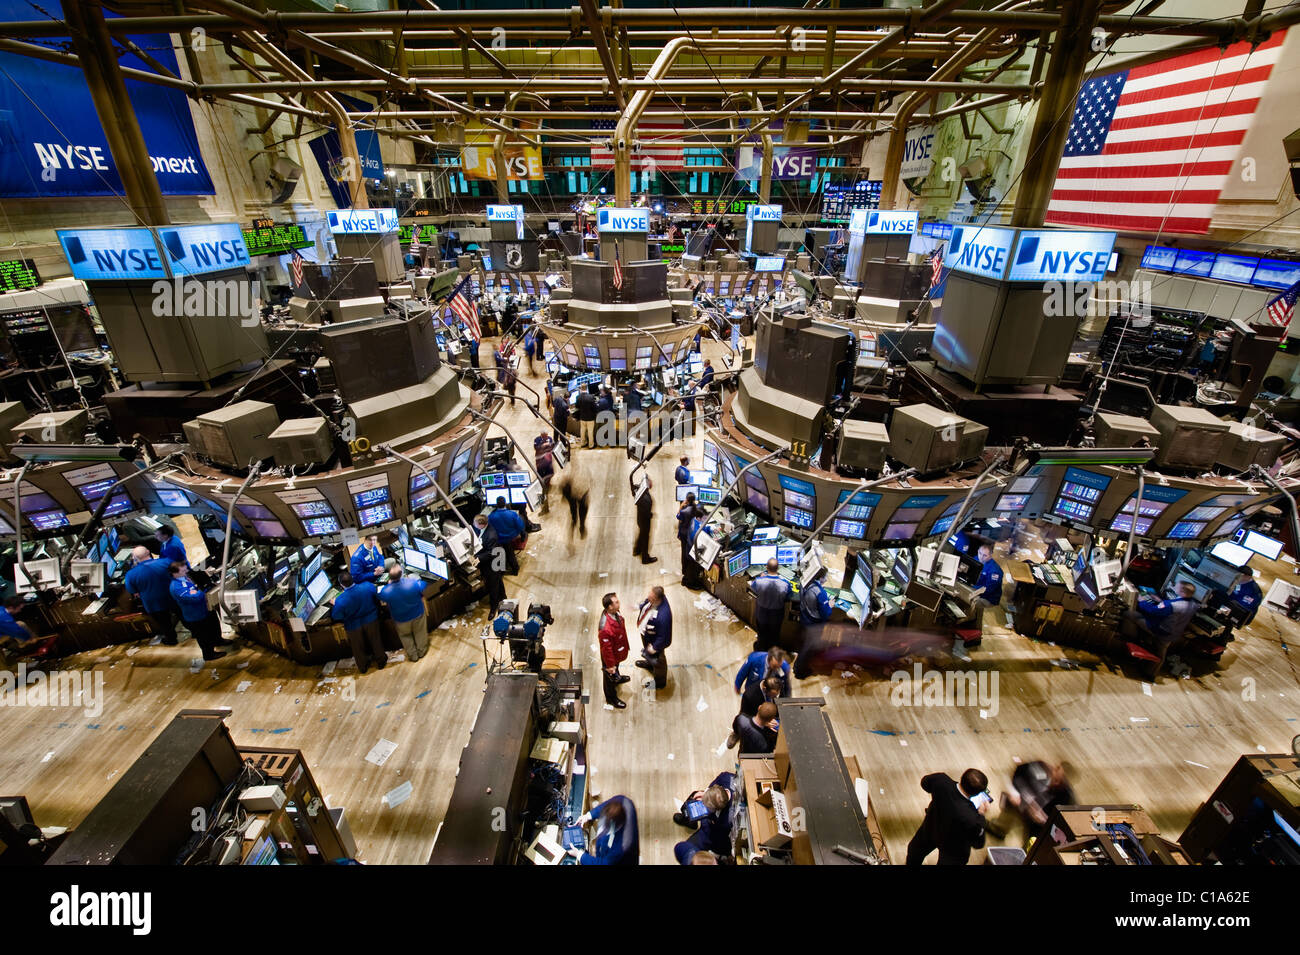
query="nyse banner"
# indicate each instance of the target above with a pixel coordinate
(478, 162)
(51, 142)
(918, 153)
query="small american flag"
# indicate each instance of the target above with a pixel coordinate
(618, 269)
(1282, 309)
(1151, 148)
(661, 144)
(464, 310)
(936, 266)
(295, 269)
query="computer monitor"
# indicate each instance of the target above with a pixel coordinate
(684, 489)
(760, 554)
(518, 478)
(281, 568)
(738, 563)
(437, 567)
(787, 555)
(88, 574)
(460, 545)
(845, 528)
(709, 495)
(706, 549)
(519, 495)
(1264, 546)
(860, 587)
(766, 534)
(901, 571)
(317, 587)
(700, 476)
(426, 547)
(947, 566)
(488, 482)
(1085, 586)
(925, 557)
(411, 557)
(44, 573)
(1231, 553)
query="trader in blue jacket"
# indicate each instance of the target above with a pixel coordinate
(200, 621)
(151, 579)
(367, 561)
(511, 530)
(1243, 603)
(989, 586)
(655, 624)
(616, 840)
(712, 830)
(357, 611)
(759, 664)
(405, 599)
(9, 627)
(171, 547)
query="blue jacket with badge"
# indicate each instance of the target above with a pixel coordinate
(192, 601)
(989, 586)
(366, 564)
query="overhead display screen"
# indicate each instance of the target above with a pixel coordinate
(1079, 494)
(18, 274)
(276, 239)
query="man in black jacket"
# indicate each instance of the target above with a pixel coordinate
(757, 733)
(645, 507)
(492, 561)
(952, 823)
(584, 408)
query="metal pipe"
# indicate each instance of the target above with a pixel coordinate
(670, 18)
(739, 474)
(433, 87)
(253, 472)
(433, 483)
(18, 525)
(959, 519)
(1268, 479)
(1133, 523)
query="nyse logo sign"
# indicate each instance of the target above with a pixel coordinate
(363, 221)
(504, 213)
(918, 149)
(193, 250)
(1047, 256)
(794, 165)
(891, 223)
(623, 220)
(764, 213)
(979, 251)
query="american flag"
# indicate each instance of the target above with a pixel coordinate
(295, 269)
(936, 266)
(1150, 149)
(661, 142)
(1282, 309)
(464, 309)
(618, 269)
(415, 239)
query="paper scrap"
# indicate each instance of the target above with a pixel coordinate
(395, 797)
(902, 742)
(722, 749)
(602, 576)
(155, 641)
(328, 668)
(583, 610)
(984, 714)
(242, 666)
(1190, 763)
(671, 756)
(701, 704)
(243, 685)
(48, 756)
(1146, 689)
(380, 752)
(196, 664)
(1138, 719)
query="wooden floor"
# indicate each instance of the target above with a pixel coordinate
(1165, 751)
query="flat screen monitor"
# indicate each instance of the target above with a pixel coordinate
(281, 568)
(370, 516)
(787, 555)
(684, 489)
(490, 481)
(518, 478)
(700, 476)
(709, 495)
(413, 558)
(860, 588)
(762, 534)
(312, 508)
(320, 526)
(738, 563)
(711, 454)
(758, 500)
(901, 572)
(900, 532)
(318, 587)
(314, 559)
(841, 527)
(1231, 553)
(1186, 530)
(174, 498)
(1264, 546)
(760, 554)
(49, 520)
(798, 517)
(799, 499)
(437, 567)
(519, 496)
(44, 572)
(1085, 587)
(1011, 502)
(303, 608)
(428, 548)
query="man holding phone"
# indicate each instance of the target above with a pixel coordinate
(954, 821)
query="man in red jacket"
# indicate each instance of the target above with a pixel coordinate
(613, 649)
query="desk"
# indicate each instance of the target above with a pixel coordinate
(818, 783)
(1087, 845)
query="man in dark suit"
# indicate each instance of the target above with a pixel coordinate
(952, 823)
(644, 518)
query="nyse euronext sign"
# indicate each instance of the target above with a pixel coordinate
(1031, 255)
